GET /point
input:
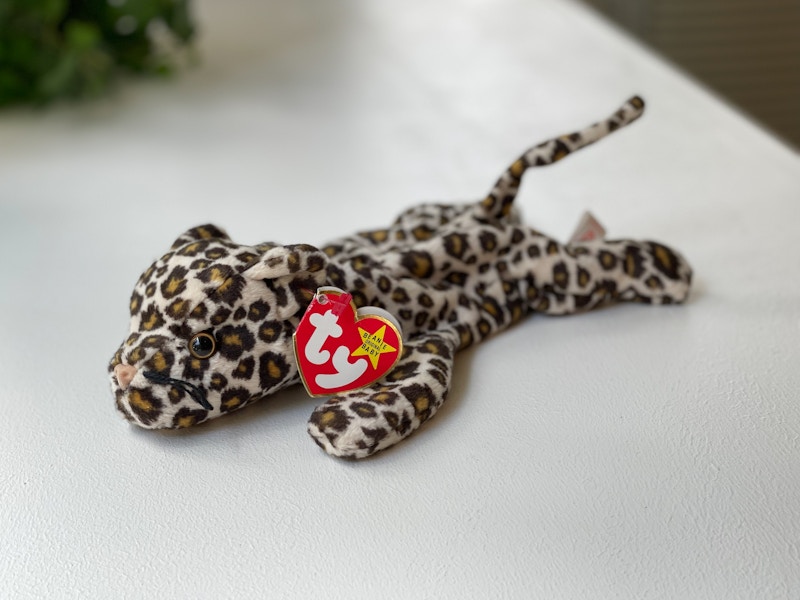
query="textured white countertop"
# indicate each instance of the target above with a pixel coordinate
(634, 452)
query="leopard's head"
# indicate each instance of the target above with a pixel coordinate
(211, 328)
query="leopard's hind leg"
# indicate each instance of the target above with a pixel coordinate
(572, 278)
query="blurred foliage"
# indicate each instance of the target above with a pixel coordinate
(52, 49)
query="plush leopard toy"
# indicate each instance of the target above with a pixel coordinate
(212, 321)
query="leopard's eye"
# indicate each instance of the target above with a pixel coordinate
(202, 345)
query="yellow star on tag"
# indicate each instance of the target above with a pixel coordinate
(372, 345)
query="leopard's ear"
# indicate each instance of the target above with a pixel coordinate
(292, 273)
(289, 262)
(201, 232)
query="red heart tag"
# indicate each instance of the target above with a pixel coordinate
(339, 348)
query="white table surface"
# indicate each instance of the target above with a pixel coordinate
(634, 452)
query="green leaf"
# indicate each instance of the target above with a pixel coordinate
(52, 10)
(57, 81)
(52, 49)
(81, 36)
(179, 21)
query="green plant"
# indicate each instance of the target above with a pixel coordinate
(52, 49)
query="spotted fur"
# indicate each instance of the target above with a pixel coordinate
(452, 275)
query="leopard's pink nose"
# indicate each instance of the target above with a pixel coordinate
(125, 374)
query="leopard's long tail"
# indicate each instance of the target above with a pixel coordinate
(498, 202)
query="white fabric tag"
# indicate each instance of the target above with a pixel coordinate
(588, 230)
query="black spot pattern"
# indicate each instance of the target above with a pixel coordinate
(272, 370)
(233, 399)
(151, 318)
(270, 331)
(233, 341)
(664, 260)
(633, 262)
(245, 368)
(258, 311)
(187, 417)
(456, 244)
(418, 263)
